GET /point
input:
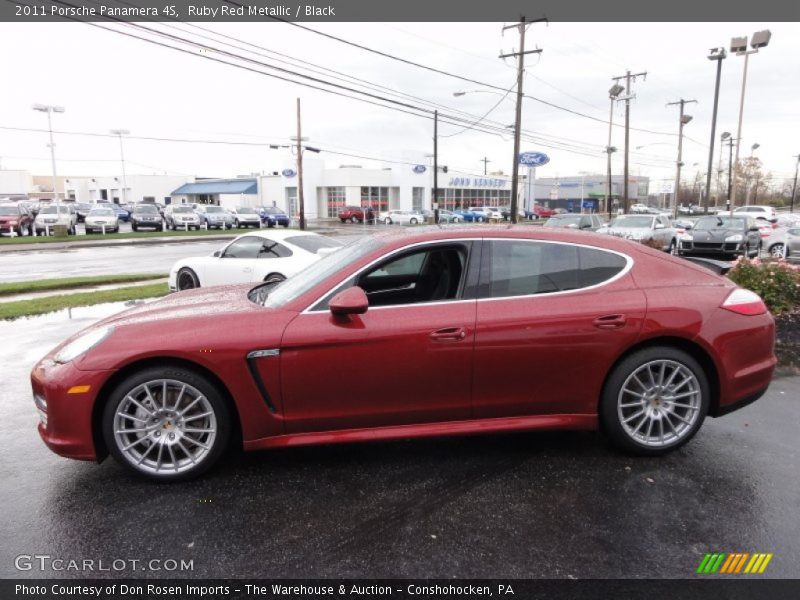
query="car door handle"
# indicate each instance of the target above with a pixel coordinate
(449, 334)
(610, 322)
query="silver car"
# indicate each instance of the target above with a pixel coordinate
(101, 220)
(644, 228)
(55, 214)
(181, 217)
(791, 244)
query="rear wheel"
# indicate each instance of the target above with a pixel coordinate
(354, 219)
(654, 401)
(413, 221)
(166, 423)
(187, 279)
(776, 250)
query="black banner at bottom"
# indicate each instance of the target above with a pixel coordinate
(398, 589)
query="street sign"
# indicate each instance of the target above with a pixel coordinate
(533, 159)
(666, 187)
(288, 173)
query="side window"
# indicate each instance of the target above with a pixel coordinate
(246, 247)
(522, 268)
(270, 249)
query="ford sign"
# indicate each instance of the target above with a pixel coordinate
(288, 173)
(533, 159)
(419, 168)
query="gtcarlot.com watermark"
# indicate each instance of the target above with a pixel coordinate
(49, 563)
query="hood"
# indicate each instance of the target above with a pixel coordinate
(630, 232)
(713, 235)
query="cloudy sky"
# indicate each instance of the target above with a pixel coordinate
(106, 80)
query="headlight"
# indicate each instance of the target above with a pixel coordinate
(734, 238)
(687, 237)
(82, 343)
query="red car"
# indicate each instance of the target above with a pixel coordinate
(539, 212)
(16, 218)
(355, 214)
(459, 331)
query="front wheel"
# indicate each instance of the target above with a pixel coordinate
(654, 401)
(776, 250)
(413, 221)
(387, 221)
(354, 219)
(673, 248)
(187, 279)
(166, 423)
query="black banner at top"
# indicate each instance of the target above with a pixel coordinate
(398, 11)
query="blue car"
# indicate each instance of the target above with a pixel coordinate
(272, 215)
(122, 214)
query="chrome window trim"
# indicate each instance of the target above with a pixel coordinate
(628, 266)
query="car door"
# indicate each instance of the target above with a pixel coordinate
(407, 360)
(275, 258)
(752, 232)
(235, 264)
(551, 319)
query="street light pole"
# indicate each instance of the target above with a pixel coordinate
(719, 55)
(684, 119)
(300, 198)
(435, 201)
(119, 133)
(49, 109)
(739, 46)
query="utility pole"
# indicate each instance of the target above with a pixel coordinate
(628, 77)
(435, 201)
(717, 54)
(613, 95)
(794, 187)
(485, 160)
(684, 119)
(119, 133)
(520, 56)
(300, 199)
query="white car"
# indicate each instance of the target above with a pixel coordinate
(493, 213)
(766, 213)
(270, 256)
(246, 216)
(639, 208)
(101, 220)
(401, 217)
(51, 215)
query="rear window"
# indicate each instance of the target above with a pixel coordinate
(521, 268)
(313, 243)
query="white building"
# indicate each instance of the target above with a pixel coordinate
(138, 188)
(15, 183)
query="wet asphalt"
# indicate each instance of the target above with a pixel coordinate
(519, 505)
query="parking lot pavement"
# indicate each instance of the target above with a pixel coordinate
(517, 505)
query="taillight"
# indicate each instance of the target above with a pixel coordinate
(744, 302)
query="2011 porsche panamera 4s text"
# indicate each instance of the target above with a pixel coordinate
(434, 332)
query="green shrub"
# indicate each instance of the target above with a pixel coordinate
(777, 282)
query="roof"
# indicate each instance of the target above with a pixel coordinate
(222, 186)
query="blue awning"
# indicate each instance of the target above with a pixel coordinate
(221, 186)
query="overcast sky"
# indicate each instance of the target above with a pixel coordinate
(106, 80)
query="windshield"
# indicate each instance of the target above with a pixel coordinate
(634, 222)
(274, 211)
(147, 209)
(52, 210)
(246, 210)
(312, 243)
(707, 223)
(308, 278)
(7, 211)
(102, 212)
(182, 209)
(214, 209)
(563, 221)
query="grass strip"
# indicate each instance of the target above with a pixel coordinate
(71, 283)
(116, 236)
(40, 306)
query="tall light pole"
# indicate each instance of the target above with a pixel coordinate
(717, 54)
(726, 137)
(684, 119)
(520, 56)
(739, 47)
(753, 149)
(119, 133)
(49, 109)
(628, 77)
(794, 187)
(613, 94)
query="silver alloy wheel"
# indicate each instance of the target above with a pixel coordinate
(659, 403)
(776, 250)
(164, 426)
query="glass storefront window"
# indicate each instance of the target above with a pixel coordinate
(376, 198)
(336, 198)
(417, 198)
(291, 200)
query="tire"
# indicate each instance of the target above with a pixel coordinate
(387, 221)
(673, 248)
(134, 228)
(617, 404)
(274, 278)
(238, 225)
(30, 230)
(456, 220)
(354, 219)
(286, 225)
(160, 228)
(270, 225)
(168, 446)
(186, 279)
(412, 221)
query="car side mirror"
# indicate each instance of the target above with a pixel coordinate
(352, 301)
(218, 253)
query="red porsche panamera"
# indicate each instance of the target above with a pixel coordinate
(435, 332)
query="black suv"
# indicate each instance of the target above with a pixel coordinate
(146, 215)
